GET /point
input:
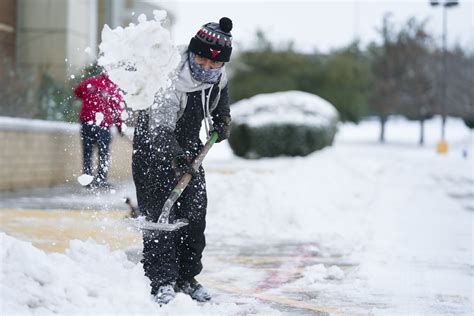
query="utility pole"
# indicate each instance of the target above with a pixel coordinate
(442, 146)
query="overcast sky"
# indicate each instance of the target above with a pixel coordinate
(319, 24)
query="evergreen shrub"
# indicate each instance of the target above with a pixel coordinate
(469, 121)
(291, 123)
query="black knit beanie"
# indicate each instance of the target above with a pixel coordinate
(213, 41)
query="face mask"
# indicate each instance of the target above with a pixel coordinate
(199, 74)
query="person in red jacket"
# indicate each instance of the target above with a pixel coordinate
(101, 108)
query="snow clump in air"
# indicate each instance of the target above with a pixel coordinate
(140, 58)
(85, 179)
(99, 117)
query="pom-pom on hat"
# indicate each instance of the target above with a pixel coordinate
(213, 40)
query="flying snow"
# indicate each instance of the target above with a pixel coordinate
(85, 179)
(140, 58)
(99, 117)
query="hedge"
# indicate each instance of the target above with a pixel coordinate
(262, 128)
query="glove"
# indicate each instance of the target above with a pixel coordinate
(222, 127)
(182, 165)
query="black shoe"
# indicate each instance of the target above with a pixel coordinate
(194, 289)
(101, 185)
(164, 294)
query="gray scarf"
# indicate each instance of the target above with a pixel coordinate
(199, 74)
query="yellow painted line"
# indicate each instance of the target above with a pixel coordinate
(273, 298)
(51, 230)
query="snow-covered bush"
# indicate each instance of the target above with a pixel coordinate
(291, 123)
(469, 121)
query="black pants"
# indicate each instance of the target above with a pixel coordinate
(95, 135)
(168, 256)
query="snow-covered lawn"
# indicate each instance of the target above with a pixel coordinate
(358, 227)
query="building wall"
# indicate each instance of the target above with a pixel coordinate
(81, 34)
(41, 154)
(7, 28)
(53, 34)
(41, 36)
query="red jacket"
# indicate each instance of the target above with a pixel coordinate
(99, 95)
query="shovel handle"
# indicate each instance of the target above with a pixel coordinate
(185, 179)
(211, 141)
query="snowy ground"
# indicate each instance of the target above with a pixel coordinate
(357, 228)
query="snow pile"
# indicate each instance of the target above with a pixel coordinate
(289, 107)
(140, 59)
(88, 279)
(319, 273)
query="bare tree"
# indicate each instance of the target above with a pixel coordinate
(416, 85)
(460, 85)
(385, 65)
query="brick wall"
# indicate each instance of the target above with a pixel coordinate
(37, 153)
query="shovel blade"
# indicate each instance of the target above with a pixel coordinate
(147, 225)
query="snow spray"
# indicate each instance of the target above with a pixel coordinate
(140, 59)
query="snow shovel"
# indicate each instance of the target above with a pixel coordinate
(163, 223)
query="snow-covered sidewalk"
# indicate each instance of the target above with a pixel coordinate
(356, 228)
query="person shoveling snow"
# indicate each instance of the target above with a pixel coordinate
(166, 140)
